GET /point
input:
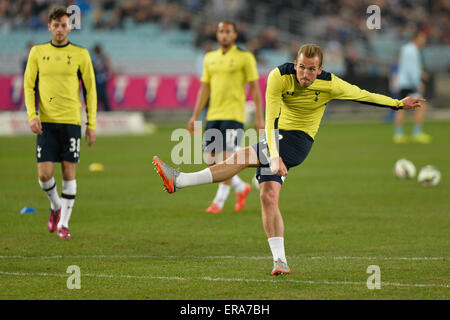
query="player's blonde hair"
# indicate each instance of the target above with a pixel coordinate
(311, 50)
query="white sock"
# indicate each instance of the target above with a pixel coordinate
(222, 194)
(69, 190)
(50, 189)
(194, 179)
(237, 184)
(277, 248)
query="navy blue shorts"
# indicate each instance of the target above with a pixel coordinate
(222, 135)
(58, 142)
(294, 147)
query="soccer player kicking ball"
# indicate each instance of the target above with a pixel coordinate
(296, 96)
(55, 69)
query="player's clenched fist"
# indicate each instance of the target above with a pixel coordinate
(190, 125)
(36, 126)
(277, 167)
(90, 136)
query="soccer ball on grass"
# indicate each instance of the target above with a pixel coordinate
(429, 176)
(404, 169)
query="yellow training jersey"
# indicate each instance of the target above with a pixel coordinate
(227, 73)
(57, 72)
(292, 107)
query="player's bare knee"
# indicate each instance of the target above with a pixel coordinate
(44, 176)
(269, 197)
(252, 157)
(245, 157)
(210, 161)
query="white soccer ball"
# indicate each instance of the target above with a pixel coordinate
(405, 169)
(429, 176)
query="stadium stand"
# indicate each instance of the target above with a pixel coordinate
(170, 37)
(159, 32)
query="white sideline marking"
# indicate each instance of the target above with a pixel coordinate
(312, 282)
(218, 257)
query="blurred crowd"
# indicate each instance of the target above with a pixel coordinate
(106, 14)
(109, 14)
(339, 25)
(342, 20)
(339, 20)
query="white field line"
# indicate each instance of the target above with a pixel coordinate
(310, 282)
(219, 257)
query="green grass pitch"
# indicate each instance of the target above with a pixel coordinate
(343, 210)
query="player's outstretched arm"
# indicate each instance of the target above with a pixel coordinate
(342, 90)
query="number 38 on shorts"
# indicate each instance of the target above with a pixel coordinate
(58, 142)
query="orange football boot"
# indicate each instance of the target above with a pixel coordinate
(167, 174)
(241, 198)
(214, 208)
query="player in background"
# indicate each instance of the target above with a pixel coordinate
(102, 71)
(225, 74)
(410, 80)
(56, 68)
(296, 98)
